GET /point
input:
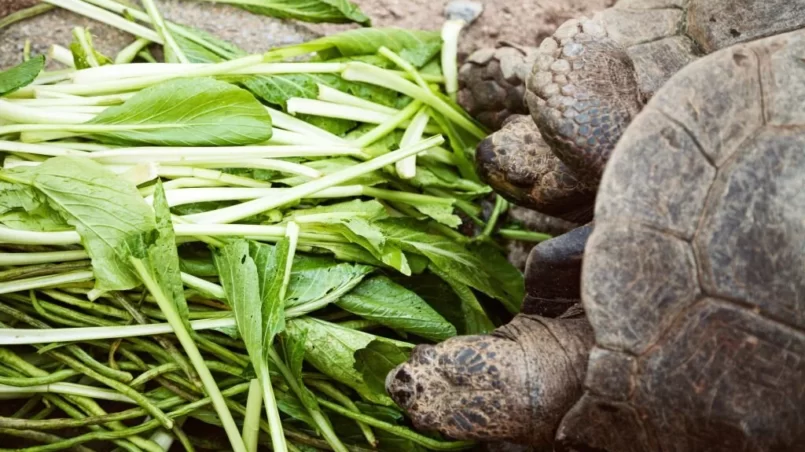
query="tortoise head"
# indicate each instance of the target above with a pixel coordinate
(469, 387)
(514, 384)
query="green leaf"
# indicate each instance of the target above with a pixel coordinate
(465, 312)
(270, 262)
(23, 207)
(415, 46)
(376, 360)
(293, 407)
(476, 320)
(437, 175)
(107, 211)
(314, 279)
(442, 213)
(390, 304)
(239, 277)
(315, 11)
(505, 274)
(188, 112)
(329, 166)
(331, 349)
(348, 252)
(163, 258)
(293, 348)
(21, 75)
(445, 254)
(81, 58)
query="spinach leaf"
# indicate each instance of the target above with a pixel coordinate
(505, 274)
(321, 280)
(445, 254)
(475, 319)
(23, 207)
(187, 112)
(348, 252)
(107, 211)
(21, 75)
(270, 262)
(443, 213)
(331, 349)
(315, 11)
(375, 361)
(163, 259)
(293, 348)
(465, 312)
(390, 304)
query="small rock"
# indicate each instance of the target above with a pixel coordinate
(465, 10)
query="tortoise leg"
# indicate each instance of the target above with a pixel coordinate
(553, 274)
(512, 385)
(582, 93)
(520, 166)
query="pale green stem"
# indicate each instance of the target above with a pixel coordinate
(251, 422)
(388, 125)
(247, 209)
(106, 17)
(129, 53)
(194, 355)
(159, 25)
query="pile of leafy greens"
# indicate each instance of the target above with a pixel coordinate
(246, 241)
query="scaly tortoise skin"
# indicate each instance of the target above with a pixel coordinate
(592, 77)
(692, 282)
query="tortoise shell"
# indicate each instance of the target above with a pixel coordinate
(694, 276)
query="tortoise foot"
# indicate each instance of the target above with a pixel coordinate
(582, 93)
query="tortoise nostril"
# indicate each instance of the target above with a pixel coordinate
(400, 386)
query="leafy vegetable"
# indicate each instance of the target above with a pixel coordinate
(108, 213)
(333, 11)
(375, 361)
(187, 112)
(21, 75)
(392, 305)
(331, 348)
(415, 46)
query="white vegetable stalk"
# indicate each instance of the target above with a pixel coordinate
(135, 70)
(280, 136)
(46, 78)
(62, 55)
(42, 282)
(247, 209)
(159, 25)
(13, 336)
(106, 17)
(187, 155)
(330, 110)
(362, 72)
(38, 149)
(21, 114)
(450, 32)
(335, 96)
(68, 389)
(129, 53)
(114, 99)
(209, 174)
(7, 259)
(288, 122)
(406, 168)
(267, 164)
(177, 197)
(134, 83)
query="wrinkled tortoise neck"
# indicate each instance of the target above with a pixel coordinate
(556, 363)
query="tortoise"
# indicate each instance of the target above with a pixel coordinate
(691, 275)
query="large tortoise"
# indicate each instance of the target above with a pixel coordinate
(692, 281)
